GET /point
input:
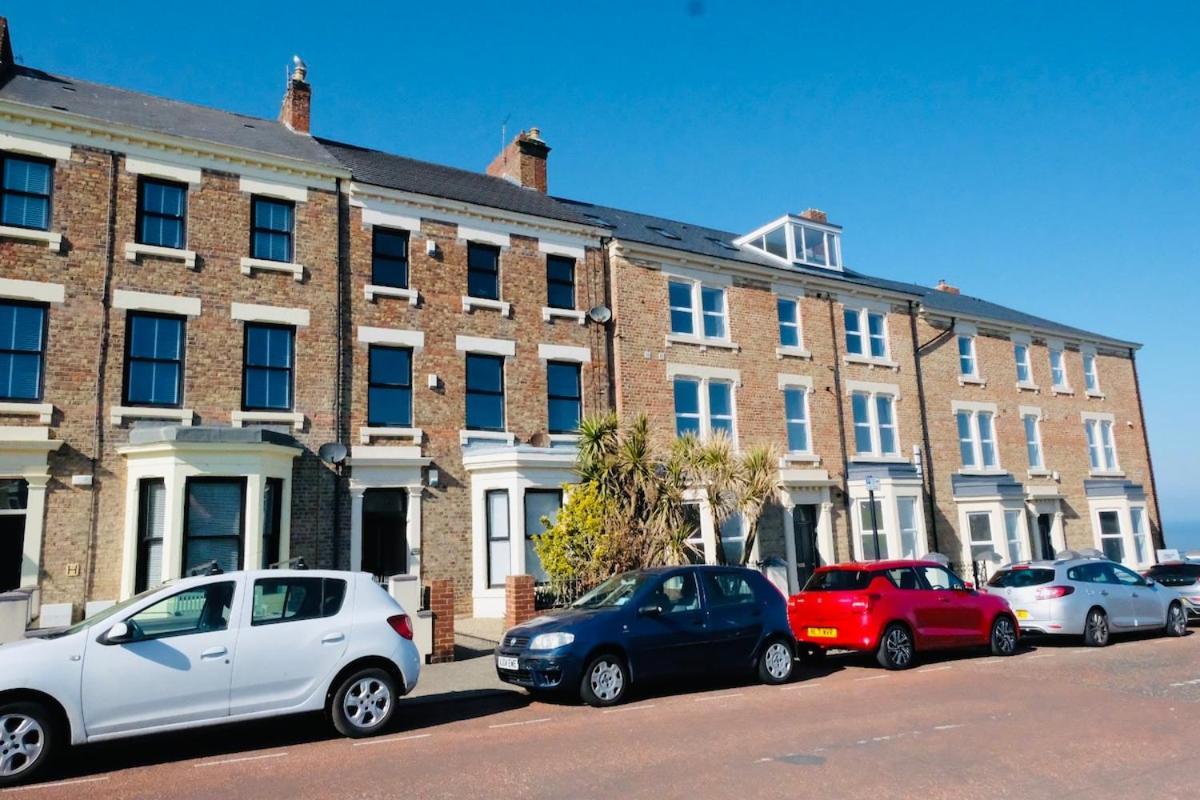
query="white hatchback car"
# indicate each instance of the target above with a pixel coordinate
(205, 650)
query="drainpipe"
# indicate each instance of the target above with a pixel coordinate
(930, 492)
(610, 327)
(110, 236)
(841, 418)
(341, 402)
(1137, 391)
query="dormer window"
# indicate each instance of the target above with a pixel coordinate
(806, 239)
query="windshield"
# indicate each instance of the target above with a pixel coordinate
(614, 592)
(100, 616)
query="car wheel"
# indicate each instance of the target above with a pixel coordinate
(363, 703)
(28, 737)
(1176, 620)
(605, 681)
(1095, 628)
(1004, 636)
(896, 648)
(776, 662)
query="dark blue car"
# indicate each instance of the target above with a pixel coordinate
(649, 625)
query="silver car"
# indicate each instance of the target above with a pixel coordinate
(1081, 594)
(1183, 578)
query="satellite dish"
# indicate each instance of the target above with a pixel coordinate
(600, 314)
(332, 453)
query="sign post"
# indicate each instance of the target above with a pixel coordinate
(872, 485)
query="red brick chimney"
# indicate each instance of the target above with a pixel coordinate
(6, 53)
(523, 161)
(297, 101)
(816, 215)
(947, 288)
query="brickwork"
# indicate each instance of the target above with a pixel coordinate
(441, 603)
(518, 600)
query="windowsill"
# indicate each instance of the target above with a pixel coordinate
(563, 438)
(465, 436)
(788, 351)
(1026, 386)
(1041, 473)
(990, 471)
(366, 434)
(135, 249)
(119, 414)
(266, 265)
(293, 418)
(472, 303)
(964, 380)
(43, 411)
(1106, 473)
(549, 313)
(51, 239)
(371, 291)
(871, 361)
(867, 458)
(1095, 394)
(701, 342)
(1064, 390)
(796, 457)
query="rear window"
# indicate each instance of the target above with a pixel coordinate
(1175, 571)
(840, 580)
(1018, 578)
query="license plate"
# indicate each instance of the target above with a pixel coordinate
(1022, 614)
(823, 633)
(507, 662)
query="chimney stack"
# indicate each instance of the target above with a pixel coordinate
(947, 288)
(6, 52)
(297, 101)
(523, 161)
(816, 215)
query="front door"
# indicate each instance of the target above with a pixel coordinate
(175, 667)
(1045, 523)
(804, 528)
(671, 639)
(14, 496)
(385, 532)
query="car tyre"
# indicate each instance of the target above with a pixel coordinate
(1177, 623)
(605, 681)
(896, 647)
(1095, 628)
(777, 662)
(364, 703)
(1004, 636)
(28, 738)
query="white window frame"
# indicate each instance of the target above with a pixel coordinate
(696, 287)
(705, 376)
(804, 385)
(1091, 377)
(974, 411)
(1027, 413)
(967, 333)
(1063, 386)
(874, 391)
(888, 496)
(863, 311)
(1143, 547)
(1100, 435)
(1025, 343)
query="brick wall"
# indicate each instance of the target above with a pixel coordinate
(518, 600)
(441, 603)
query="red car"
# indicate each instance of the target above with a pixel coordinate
(897, 609)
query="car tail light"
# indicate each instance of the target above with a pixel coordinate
(863, 602)
(1053, 592)
(402, 625)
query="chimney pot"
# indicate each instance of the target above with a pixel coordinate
(296, 111)
(815, 214)
(947, 288)
(523, 161)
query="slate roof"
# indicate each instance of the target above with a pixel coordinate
(109, 104)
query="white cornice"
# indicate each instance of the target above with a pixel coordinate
(73, 129)
(1024, 334)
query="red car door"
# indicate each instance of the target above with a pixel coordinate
(959, 615)
(922, 605)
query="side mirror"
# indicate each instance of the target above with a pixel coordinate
(651, 610)
(117, 634)
(967, 587)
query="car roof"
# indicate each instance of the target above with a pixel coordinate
(879, 566)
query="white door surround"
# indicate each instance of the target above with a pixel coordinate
(383, 467)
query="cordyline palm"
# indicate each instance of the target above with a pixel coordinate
(669, 525)
(714, 469)
(758, 484)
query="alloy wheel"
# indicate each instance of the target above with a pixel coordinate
(607, 680)
(778, 661)
(899, 647)
(1004, 636)
(367, 703)
(21, 743)
(1097, 628)
(1177, 620)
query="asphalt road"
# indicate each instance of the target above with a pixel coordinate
(1053, 721)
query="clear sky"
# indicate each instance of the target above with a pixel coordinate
(1042, 155)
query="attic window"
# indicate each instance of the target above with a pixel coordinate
(601, 221)
(799, 241)
(663, 232)
(721, 243)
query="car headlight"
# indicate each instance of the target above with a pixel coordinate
(551, 641)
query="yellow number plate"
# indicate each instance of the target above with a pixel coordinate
(823, 633)
(1022, 614)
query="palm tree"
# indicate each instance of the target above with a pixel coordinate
(758, 484)
(714, 469)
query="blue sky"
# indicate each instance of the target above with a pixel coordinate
(1042, 155)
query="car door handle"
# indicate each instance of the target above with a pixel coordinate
(214, 652)
(333, 638)
(1104, 593)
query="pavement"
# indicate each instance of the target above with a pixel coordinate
(1055, 721)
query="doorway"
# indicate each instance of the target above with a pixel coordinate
(1045, 523)
(804, 528)
(14, 496)
(385, 532)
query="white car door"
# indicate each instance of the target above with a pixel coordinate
(174, 666)
(295, 632)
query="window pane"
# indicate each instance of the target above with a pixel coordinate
(906, 507)
(484, 285)
(854, 341)
(966, 438)
(687, 406)
(680, 295)
(966, 355)
(21, 327)
(390, 365)
(273, 215)
(563, 415)
(562, 379)
(776, 241)
(483, 258)
(789, 328)
(862, 422)
(870, 519)
(1012, 532)
(887, 425)
(485, 412)
(390, 243)
(815, 251)
(205, 608)
(720, 399)
(987, 443)
(389, 406)
(714, 326)
(1021, 354)
(268, 347)
(878, 341)
(981, 535)
(560, 282)
(485, 373)
(268, 389)
(32, 177)
(26, 212)
(539, 505)
(499, 559)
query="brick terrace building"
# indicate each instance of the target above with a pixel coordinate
(193, 302)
